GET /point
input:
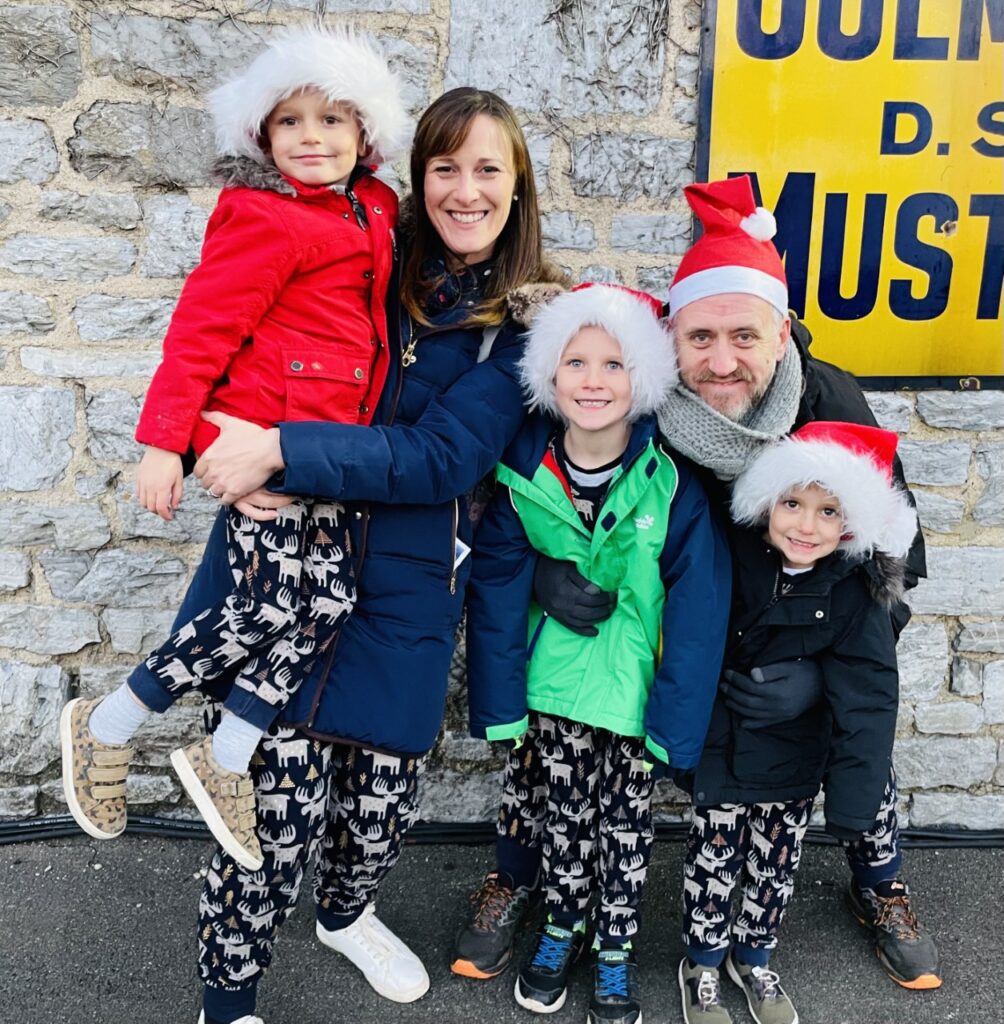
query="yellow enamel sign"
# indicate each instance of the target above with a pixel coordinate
(874, 129)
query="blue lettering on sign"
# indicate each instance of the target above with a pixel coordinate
(862, 302)
(971, 26)
(934, 262)
(988, 306)
(754, 42)
(991, 120)
(892, 110)
(909, 44)
(863, 43)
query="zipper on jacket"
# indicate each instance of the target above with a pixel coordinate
(453, 546)
(357, 208)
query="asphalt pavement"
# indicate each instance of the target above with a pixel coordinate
(103, 933)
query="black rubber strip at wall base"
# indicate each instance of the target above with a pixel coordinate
(439, 833)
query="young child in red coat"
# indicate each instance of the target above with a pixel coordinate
(283, 319)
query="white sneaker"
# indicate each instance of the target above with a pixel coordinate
(240, 1020)
(386, 962)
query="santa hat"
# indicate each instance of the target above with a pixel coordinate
(735, 253)
(630, 316)
(345, 65)
(851, 462)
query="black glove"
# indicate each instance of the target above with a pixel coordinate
(844, 835)
(683, 778)
(774, 693)
(566, 595)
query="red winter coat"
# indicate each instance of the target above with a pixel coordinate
(285, 316)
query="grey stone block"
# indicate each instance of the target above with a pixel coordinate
(941, 463)
(92, 485)
(35, 429)
(989, 509)
(628, 166)
(964, 410)
(67, 259)
(961, 581)
(449, 795)
(193, 52)
(967, 677)
(539, 143)
(139, 143)
(892, 411)
(97, 680)
(685, 109)
(688, 65)
(352, 6)
(414, 64)
(586, 60)
(938, 513)
(981, 638)
(100, 209)
(566, 231)
(27, 152)
(930, 761)
(15, 570)
(656, 280)
(599, 274)
(21, 313)
(18, 802)
(39, 56)
(46, 629)
(132, 631)
(923, 658)
(956, 717)
(174, 236)
(105, 317)
(191, 524)
(668, 234)
(111, 422)
(150, 790)
(993, 692)
(460, 747)
(31, 698)
(961, 810)
(49, 362)
(70, 527)
(143, 579)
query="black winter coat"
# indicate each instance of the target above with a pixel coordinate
(838, 615)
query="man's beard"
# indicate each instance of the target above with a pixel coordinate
(736, 413)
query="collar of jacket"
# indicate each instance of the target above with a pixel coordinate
(457, 288)
(524, 455)
(243, 172)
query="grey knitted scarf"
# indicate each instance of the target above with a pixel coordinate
(726, 446)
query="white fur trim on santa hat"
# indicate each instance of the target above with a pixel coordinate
(877, 514)
(347, 66)
(724, 280)
(645, 344)
(760, 224)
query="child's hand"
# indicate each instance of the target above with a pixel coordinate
(159, 481)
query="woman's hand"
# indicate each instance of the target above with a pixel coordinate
(159, 482)
(240, 460)
(262, 504)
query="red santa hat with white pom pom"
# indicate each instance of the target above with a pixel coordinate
(735, 253)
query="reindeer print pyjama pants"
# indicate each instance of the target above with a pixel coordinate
(353, 805)
(597, 834)
(293, 586)
(752, 850)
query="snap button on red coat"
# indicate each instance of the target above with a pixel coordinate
(364, 408)
(296, 365)
(357, 373)
(377, 209)
(367, 274)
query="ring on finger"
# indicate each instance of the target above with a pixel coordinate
(213, 493)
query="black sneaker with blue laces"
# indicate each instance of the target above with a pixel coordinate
(542, 984)
(615, 989)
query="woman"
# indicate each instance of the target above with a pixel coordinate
(373, 703)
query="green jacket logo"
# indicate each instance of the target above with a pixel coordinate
(645, 522)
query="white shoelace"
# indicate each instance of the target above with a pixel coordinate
(373, 936)
(770, 980)
(707, 989)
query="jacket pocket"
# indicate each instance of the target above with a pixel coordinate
(323, 384)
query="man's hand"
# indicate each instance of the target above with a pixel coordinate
(262, 505)
(566, 595)
(774, 693)
(240, 460)
(159, 482)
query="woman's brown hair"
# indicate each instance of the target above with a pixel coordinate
(518, 254)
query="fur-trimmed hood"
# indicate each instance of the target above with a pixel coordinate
(346, 65)
(886, 576)
(243, 172)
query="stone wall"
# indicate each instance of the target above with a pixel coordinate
(103, 199)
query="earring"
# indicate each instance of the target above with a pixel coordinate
(515, 199)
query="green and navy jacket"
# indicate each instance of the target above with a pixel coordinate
(652, 670)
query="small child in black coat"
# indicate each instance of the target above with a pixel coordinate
(817, 565)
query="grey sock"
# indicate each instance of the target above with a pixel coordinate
(234, 742)
(117, 717)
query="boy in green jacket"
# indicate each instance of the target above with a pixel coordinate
(587, 480)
